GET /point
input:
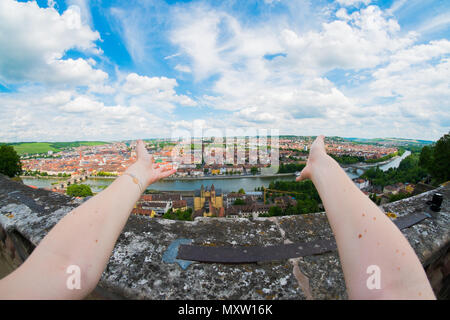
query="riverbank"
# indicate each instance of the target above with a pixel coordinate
(363, 166)
(218, 177)
(45, 177)
(275, 175)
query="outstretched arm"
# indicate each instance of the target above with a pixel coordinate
(85, 238)
(364, 235)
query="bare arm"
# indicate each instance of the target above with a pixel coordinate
(85, 238)
(364, 235)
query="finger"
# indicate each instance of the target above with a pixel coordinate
(140, 149)
(167, 173)
(163, 169)
(304, 174)
(320, 139)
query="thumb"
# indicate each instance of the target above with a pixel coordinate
(140, 149)
(304, 174)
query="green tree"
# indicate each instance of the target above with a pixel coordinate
(408, 171)
(239, 202)
(374, 198)
(440, 169)
(398, 196)
(9, 161)
(241, 191)
(426, 157)
(275, 211)
(290, 167)
(254, 170)
(347, 159)
(79, 190)
(179, 215)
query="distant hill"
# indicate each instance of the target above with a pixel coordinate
(392, 141)
(43, 147)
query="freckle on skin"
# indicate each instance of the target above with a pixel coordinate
(397, 251)
(96, 241)
(420, 293)
(398, 268)
(363, 214)
(359, 235)
(374, 218)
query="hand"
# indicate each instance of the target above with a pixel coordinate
(316, 154)
(145, 168)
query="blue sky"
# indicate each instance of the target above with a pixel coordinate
(110, 70)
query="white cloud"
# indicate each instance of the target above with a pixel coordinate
(84, 10)
(349, 3)
(291, 91)
(154, 91)
(81, 105)
(34, 51)
(69, 71)
(353, 73)
(183, 68)
(202, 49)
(252, 114)
(67, 115)
(362, 40)
(438, 22)
(136, 84)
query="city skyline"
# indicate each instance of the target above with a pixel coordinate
(80, 70)
(224, 137)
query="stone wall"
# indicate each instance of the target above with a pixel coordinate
(136, 268)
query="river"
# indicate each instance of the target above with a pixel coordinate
(396, 162)
(227, 185)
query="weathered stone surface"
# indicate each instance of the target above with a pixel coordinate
(136, 269)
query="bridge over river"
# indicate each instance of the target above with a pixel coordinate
(227, 185)
(73, 180)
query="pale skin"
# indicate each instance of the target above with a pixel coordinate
(364, 235)
(86, 236)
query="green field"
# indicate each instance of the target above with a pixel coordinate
(43, 147)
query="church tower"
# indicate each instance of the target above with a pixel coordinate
(213, 195)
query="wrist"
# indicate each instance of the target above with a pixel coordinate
(139, 172)
(320, 163)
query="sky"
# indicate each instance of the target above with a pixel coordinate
(117, 70)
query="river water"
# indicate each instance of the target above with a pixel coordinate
(396, 162)
(227, 185)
